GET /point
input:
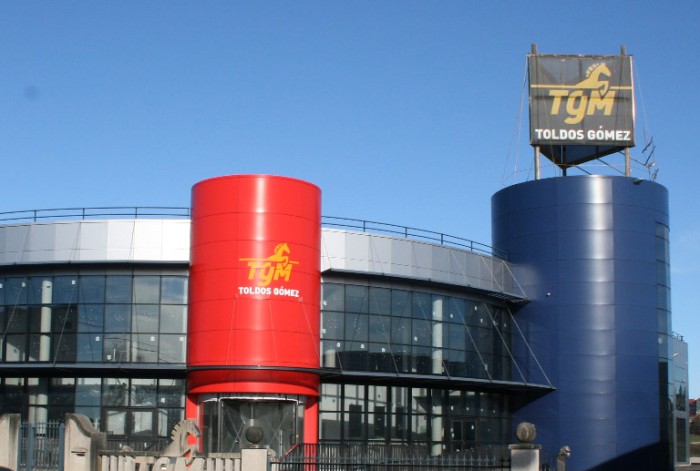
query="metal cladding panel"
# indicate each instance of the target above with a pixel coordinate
(104, 241)
(254, 285)
(355, 252)
(584, 250)
(253, 382)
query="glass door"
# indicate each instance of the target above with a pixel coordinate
(233, 424)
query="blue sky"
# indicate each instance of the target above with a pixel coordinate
(406, 112)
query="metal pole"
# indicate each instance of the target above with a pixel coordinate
(61, 445)
(533, 50)
(29, 461)
(628, 166)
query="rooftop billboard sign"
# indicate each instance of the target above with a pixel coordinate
(581, 107)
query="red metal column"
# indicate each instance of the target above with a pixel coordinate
(311, 421)
(254, 286)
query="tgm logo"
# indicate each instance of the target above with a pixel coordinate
(592, 95)
(585, 101)
(276, 267)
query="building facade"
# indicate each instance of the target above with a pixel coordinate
(405, 337)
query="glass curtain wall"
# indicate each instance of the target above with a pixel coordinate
(438, 420)
(673, 359)
(92, 321)
(376, 329)
(663, 310)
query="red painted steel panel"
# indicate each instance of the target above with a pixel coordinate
(253, 381)
(254, 284)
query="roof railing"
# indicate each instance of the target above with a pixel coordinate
(163, 212)
(413, 233)
(134, 212)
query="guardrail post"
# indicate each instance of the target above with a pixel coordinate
(525, 456)
(30, 447)
(61, 445)
(254, 459)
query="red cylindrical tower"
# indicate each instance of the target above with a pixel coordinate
(253, 323)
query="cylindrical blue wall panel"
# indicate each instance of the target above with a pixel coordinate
(585, 251)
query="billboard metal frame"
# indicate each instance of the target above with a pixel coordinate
(581, 106)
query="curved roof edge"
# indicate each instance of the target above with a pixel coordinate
(379, 255)
(168, 240)
(90, 241)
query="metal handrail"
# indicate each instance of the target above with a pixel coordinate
(36, 215)
(157, 212)
(414, 233)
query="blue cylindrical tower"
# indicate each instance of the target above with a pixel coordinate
(591, 253)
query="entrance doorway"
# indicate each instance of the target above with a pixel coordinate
(230, 424)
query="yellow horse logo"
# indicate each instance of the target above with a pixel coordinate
(276, 266)
(279, 255)
(593, 80)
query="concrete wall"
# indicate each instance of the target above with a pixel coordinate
(82, 444)
(9, 440)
